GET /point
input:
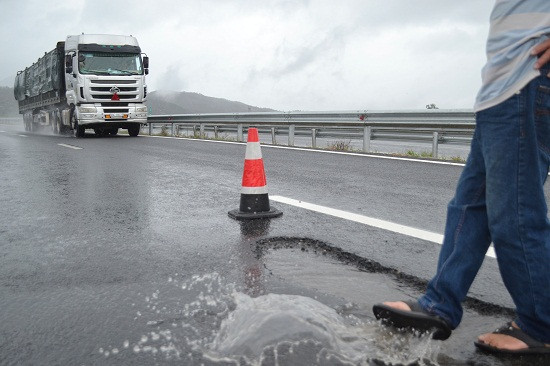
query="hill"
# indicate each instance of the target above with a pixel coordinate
(8, 104)
(167, 102)
(160, 102)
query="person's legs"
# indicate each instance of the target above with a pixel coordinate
(465, 242)
(517, 209)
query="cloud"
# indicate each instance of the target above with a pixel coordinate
(293, 58)
(170, 80)
(320, 54)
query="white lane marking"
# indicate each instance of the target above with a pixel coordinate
(370, 221)
(71, 146)
(2, 131)
(22, 135)
(364, 155)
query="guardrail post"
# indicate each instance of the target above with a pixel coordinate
(291, 135)
(216, 132)
(194, 131)
(240, 132)
(314, 138)
(150, 129)
(367, 135)
(202, 135)
(172, 129)
(435, 144)
(273, 138)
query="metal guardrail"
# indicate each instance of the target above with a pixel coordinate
(435, 126)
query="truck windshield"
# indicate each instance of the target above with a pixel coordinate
(100, 63)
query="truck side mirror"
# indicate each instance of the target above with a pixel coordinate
(68, 64)
(146, 62)
(81, 57)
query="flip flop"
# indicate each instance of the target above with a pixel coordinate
(533, 346)
(416, 319)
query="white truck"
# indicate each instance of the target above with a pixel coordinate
(89, 81)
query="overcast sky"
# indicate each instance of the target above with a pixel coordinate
(281, 54)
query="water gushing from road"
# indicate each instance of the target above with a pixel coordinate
(223, 326)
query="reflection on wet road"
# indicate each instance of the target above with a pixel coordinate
(121, 252)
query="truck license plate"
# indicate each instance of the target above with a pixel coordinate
(116, 115)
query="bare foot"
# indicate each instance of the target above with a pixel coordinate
(399, 305)
(504, 342)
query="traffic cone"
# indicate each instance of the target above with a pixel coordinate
(254, 196)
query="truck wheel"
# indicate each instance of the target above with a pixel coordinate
(101, 131)
(78, 131)
(113, 132)
(133, 130)
(55, 125)
(61, 128)
(58, 123)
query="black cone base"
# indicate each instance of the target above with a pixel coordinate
(239, 215)
(254, 206)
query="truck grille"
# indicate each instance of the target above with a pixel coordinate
(119, 110)
(107, 89)
(114, 82)
(101, 90)
(114, 104)
(115, 107)
(109, 96)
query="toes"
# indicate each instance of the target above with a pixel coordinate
(483, 338)
(502, 341)
(400, 305)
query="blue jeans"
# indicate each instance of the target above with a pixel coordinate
(500, 198)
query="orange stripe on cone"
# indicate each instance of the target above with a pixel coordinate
(253, 135)
(254, 174)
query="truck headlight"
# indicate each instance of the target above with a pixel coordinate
(141, 109)
(87, 109)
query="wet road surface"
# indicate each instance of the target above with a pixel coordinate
(122, 252)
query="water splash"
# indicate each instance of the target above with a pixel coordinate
(223, 326)
(268, 320)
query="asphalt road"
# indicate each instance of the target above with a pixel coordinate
(119, 250)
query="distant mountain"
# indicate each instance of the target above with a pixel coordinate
(7, 81)
(8, 104)
(168, 102)
(160, 102)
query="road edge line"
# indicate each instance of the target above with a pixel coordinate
(317, 151)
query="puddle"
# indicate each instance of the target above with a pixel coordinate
(352, 260)
(328, 275)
